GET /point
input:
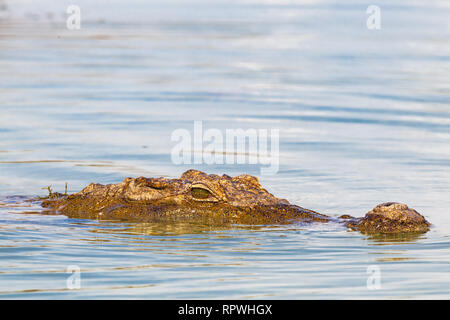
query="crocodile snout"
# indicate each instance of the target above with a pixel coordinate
(397, 211)
(391, 217)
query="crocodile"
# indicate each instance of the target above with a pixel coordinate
(219, 200)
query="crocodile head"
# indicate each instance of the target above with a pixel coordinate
(219, 200)
(195, 194)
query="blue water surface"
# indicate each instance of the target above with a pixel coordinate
(363, 117)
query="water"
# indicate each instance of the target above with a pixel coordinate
(363, 115)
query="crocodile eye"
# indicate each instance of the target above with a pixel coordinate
(200, 193)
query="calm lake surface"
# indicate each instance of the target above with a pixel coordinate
(364, 118)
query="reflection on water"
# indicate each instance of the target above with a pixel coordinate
(382, 239)
(179, 228)
(363, 115)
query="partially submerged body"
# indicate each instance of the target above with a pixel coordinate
(218, 199)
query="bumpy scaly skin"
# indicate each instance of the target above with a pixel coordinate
(390, 217)
(219, 200)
